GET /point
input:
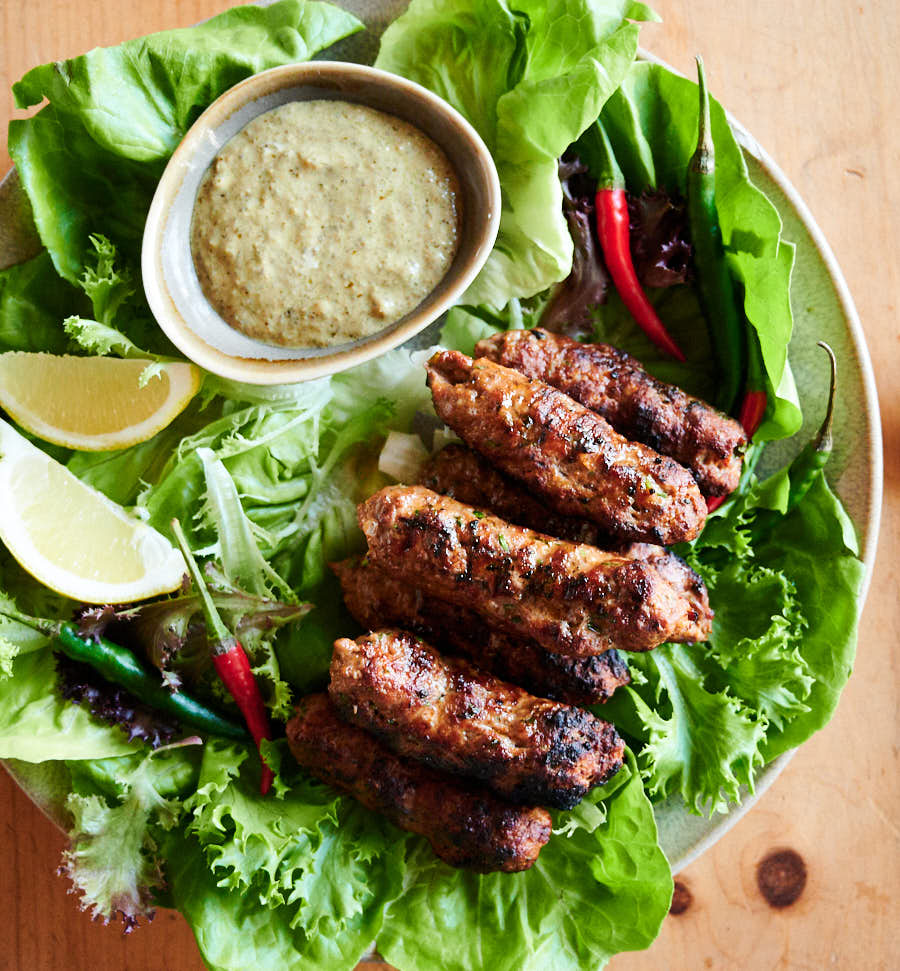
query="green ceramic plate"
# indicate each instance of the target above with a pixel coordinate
(823, 310)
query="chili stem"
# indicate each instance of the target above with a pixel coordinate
(230, 661)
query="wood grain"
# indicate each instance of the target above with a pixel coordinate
(818, 85)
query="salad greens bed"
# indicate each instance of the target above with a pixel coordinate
(266, 481)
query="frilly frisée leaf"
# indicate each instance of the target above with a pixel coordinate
(113, 861)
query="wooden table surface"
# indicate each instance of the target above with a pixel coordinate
(818, 85)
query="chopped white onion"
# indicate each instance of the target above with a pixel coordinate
(402, 457)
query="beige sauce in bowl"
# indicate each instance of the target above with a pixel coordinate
(323, 222)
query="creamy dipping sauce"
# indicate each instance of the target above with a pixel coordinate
(322, 222)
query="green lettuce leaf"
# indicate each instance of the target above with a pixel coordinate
(700, 743)
(37, 725)
(113, 859)
(530, 78)
(600, 886)
(33, 301)
(235, 933)
(89, 161)
(815, 545)
(785, 592)
(756, 637)
(306, 850)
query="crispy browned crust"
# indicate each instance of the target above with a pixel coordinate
(614, 384)
(571, 457)
(448, 714)
(571, 598)
(466, 825)
(378, 600)
(464, 474)
(470, 478)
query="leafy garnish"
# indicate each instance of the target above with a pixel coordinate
(530, 79)
(569, 310)
(113, 859)
(80, 684)
(659, 238)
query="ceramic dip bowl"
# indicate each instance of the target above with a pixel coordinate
(170, 279)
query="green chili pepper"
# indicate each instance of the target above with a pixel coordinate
(815, 454)
(809, 462)
(120, 666)
(715, 285)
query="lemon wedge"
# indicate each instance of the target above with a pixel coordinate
(94, 404)
(71, 537)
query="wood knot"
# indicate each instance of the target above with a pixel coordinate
(682, 898)
(781, 877)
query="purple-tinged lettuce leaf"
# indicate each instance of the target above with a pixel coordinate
(660, 249)
(113, 859)
(80, 684)
(571, 302)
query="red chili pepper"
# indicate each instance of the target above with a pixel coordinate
(753, 407)
(753, 404)
(233, 667)
(713, 503)
(612, 228)
(230, 661)
(615, 241)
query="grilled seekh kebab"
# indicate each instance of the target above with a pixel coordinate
(467, 825)
(571, 457)
(571, 598)
(465, 475)
(615, 385)
(375, 600)
(450, 715)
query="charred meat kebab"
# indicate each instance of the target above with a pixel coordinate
(570, 456)
(615, 385)
(571, 598)
(378, 600)
(465, 475)
(450, 715)
(467, 825)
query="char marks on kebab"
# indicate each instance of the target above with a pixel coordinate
(531, 555)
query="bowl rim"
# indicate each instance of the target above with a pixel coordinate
(260, 370)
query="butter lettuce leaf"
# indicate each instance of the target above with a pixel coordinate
(36, 725)
(815, 545)
(600, 886)
(530, 77)
(90, 160)
(33, 301)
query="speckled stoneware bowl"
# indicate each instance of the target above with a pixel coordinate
(170, 280)
(823, 310)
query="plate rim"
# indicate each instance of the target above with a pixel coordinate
(869, 538)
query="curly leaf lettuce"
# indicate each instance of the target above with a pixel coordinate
(113, 860)
(785, 592)
(530, 77)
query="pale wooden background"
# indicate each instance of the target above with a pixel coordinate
(818, 85)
